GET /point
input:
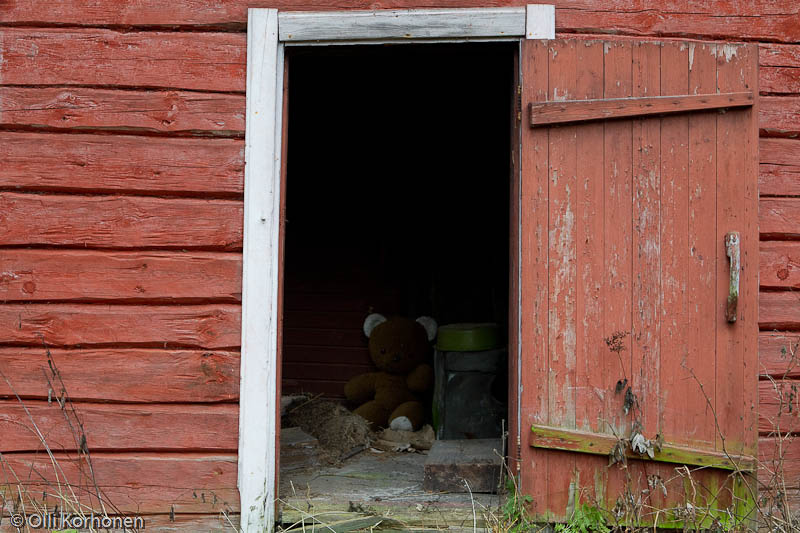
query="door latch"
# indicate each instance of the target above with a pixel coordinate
(732, 251)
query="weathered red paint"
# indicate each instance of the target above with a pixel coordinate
(655, 185)
(110, 427)
(196, 326)
(763, 19)
(99, 77)
(119, 222)
(135, 482)
(145, 112)
(124, 276)
(122, 164)
(132, 375)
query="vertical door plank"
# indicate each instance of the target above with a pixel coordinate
(561, 234)
(748, 321)
(618, 233)
(592, 382)
(646, 254)
(514, 354)
(701, 291)
(731, 163)
(681, 393)
(561, 264)
(617, 227)
(281, 267)
(534, 275)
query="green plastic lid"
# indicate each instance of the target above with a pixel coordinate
(468, 337)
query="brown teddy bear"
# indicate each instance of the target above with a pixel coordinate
(399, 348)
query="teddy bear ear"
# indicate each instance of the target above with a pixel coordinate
(372, 321)
(430, 326)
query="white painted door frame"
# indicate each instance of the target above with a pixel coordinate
(268, 33)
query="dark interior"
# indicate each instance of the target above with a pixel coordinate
(397, 197)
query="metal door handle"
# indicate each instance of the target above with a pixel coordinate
(732, 251)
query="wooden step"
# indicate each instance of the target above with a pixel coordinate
(464, 466)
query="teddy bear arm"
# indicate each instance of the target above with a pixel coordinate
(420, 379)
(361, 388)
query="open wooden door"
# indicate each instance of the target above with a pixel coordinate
(627, 303)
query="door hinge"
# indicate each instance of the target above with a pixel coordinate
(519, 103)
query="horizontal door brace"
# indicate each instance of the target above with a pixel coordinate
(572, 440)
(568, 111)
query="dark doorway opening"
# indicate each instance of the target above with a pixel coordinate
(397, 202)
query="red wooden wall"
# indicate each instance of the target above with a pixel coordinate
(121, 167)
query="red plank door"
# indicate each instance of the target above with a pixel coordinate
(638, 161)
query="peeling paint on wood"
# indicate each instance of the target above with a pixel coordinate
(112, 110)
(146, 277)
(121, 163)
(111, 427)
(197, 61)
(136, 483)
(199, 326)
(119, 222)
(125, 374)
(658, 252)
(601, 444)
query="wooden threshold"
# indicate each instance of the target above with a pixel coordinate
(600, 444)
(549, 113)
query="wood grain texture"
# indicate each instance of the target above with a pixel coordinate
(749, 294)
(779, 116)
(779, 311)
(562, 268)
(778, 68)
(258, 433)
(105, 109)
(302, 26)
(660, 202)
(779, 266)
(591, 374)
(114, 427)
(781, 457)
(779, 407)
(590, 368)
(198, 61)
(618, 230)
(119, 222)
(533, 275)
(124, 375)
(761, 19)
(778, 218)
(601, 109)
(201, 326)
(779, 354)
(137, 483)
(562, 208)
(779, 55)
(675, 344)
(76, 275)
(648, 294)
(779, 172)
(584, 442)
(737, 133)
(104, 164)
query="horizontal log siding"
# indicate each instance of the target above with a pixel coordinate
(121, 182)
(121, 171)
